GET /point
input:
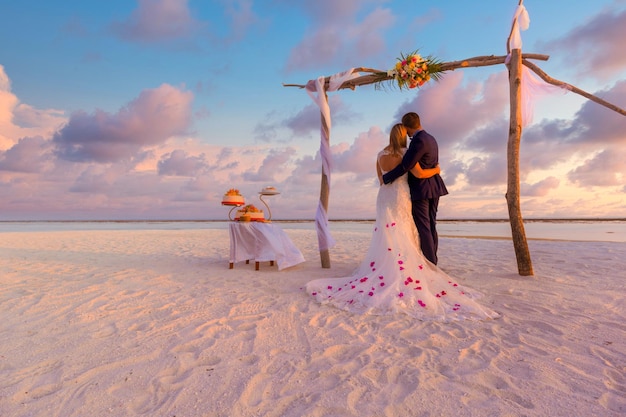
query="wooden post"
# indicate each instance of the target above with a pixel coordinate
(524, 263)
(324, 188)
(324, 253)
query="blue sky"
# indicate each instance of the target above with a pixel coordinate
(153, 109)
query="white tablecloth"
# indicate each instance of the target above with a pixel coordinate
(262, 242)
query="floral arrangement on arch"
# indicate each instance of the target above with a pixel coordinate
(413, 70)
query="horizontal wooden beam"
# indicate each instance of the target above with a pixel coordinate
(374, 76)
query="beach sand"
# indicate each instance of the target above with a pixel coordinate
(153, 323)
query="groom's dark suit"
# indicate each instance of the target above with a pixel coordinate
(425, 192)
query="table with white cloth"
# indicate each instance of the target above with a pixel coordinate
(262, 242)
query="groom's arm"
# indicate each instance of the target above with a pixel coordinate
(392, 175)
(408, 161)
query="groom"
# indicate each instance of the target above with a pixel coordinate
(425, 192)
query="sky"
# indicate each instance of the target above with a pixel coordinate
(153, 109)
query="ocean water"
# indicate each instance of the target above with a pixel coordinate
(572, 230)
(613, 230)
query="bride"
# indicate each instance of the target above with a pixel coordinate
(395, 276)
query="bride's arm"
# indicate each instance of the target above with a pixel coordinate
(379, 172)
(420, 172)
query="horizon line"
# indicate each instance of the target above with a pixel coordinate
(495, 220)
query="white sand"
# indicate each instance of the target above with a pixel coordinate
(153, 323)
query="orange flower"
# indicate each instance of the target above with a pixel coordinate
(412, 70)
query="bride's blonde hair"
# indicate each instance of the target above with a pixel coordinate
(397, 139)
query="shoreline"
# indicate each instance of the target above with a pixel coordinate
(480, 220)
(601, 231)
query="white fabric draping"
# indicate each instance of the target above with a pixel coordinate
(262, 242)
(322, 102)
(325, 240)
(521, 21)
(533, 88)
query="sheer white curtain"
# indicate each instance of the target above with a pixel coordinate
(325, 240)
(533, 87)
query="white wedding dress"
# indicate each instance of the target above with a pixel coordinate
(395, 277)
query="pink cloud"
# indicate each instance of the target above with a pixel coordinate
(360, 157)
(273, 164)
(368, 35)
(340, 36)
(598, 124)
(19, 120)
(316, 50)
(307, 120)
(242, 17)
(594, 128)
(598, 42)
(158, 20)
(486, 171)
(150, 119)
(28, 155)
(179, 163)
(94, 179)
(545, 145)
(541, 188)
(331, 10)
(607, 168)
(5, 82)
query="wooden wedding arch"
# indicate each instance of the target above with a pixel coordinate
(514, 60)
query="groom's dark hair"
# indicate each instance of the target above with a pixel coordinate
(411, 120)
